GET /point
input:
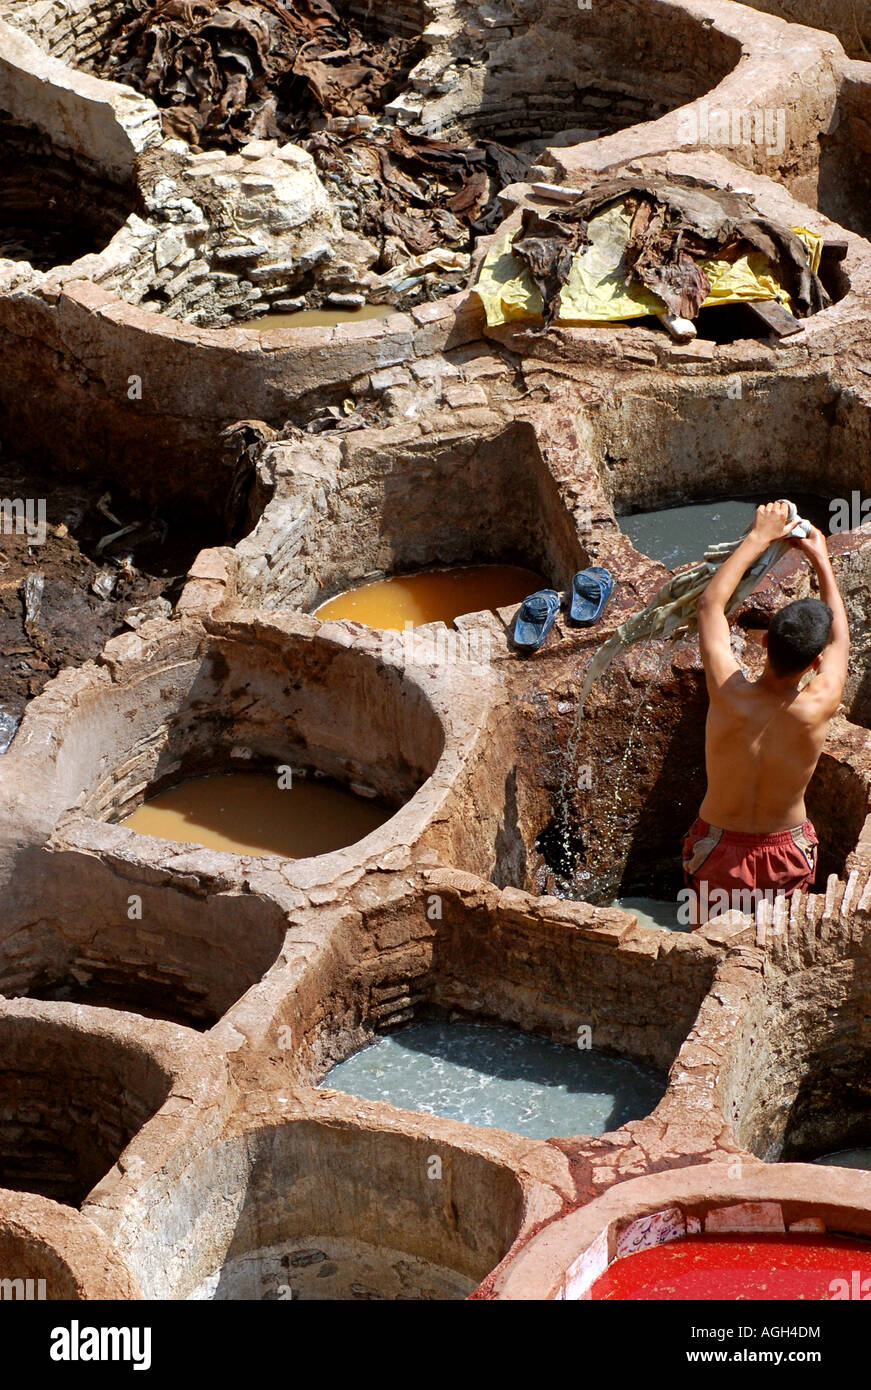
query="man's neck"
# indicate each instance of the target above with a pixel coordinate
(783, 686)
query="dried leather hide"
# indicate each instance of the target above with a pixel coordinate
(676, 223)
(224, 74)
(253, 69)
(421, 191)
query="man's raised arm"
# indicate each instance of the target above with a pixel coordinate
(831, 675)
(772, 524)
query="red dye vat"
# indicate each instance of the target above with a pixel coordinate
(817, 1268)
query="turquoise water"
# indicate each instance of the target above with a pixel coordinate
(654, 912)
(847, 1158)
(501, 1078)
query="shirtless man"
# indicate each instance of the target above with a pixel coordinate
(764, 737)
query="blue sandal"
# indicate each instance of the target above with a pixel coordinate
(535, 618)
(591, 590)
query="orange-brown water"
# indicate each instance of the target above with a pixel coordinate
(317, 318)
(436, 596)
(248, 813)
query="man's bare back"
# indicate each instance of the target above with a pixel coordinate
(764, 737)
(761, 749)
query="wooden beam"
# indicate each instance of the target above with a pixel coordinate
(776, 317)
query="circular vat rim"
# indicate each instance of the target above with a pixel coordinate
(79, 1250)
(462, 712)
(535, 1179)
(191, 1071)
(566, 1258)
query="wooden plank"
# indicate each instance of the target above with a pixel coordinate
(775, 316)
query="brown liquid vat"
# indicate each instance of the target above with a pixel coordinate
(275, 322)
(383, 505)
(432, 596)
(255, 814)
(184, 931)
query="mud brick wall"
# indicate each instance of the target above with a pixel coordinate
(396, 16)
(381, 503)
(82, 348)
(68, 1109)
(71, 30)
(512, 119)
(851, 560)
(845, 154)
(553, 970)
(849, 20)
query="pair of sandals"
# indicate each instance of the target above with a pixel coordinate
(590, 592)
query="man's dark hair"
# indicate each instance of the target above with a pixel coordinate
(797, 635)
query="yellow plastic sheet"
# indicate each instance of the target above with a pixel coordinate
(595, 291)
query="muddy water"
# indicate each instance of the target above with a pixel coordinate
(500, 1077)
(248, 813)
(680, 535)
(847, 1158)
(317, 318)
(435, 596)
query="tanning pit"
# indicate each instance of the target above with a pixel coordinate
(589, 1253)
(71, 1099)
(307, 1210)
(183, 931)
(844, 190)
(794, 1082)
(446, 1022)
(372, 508)
(54, 207)
(496, 1078)
(775, 435)
(530, 77)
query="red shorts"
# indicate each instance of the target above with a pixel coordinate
(726, 860)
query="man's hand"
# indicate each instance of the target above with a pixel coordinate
(772, 523)
(814, 547)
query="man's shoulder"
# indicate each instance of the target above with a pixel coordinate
(817, 701)
(734, 692)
